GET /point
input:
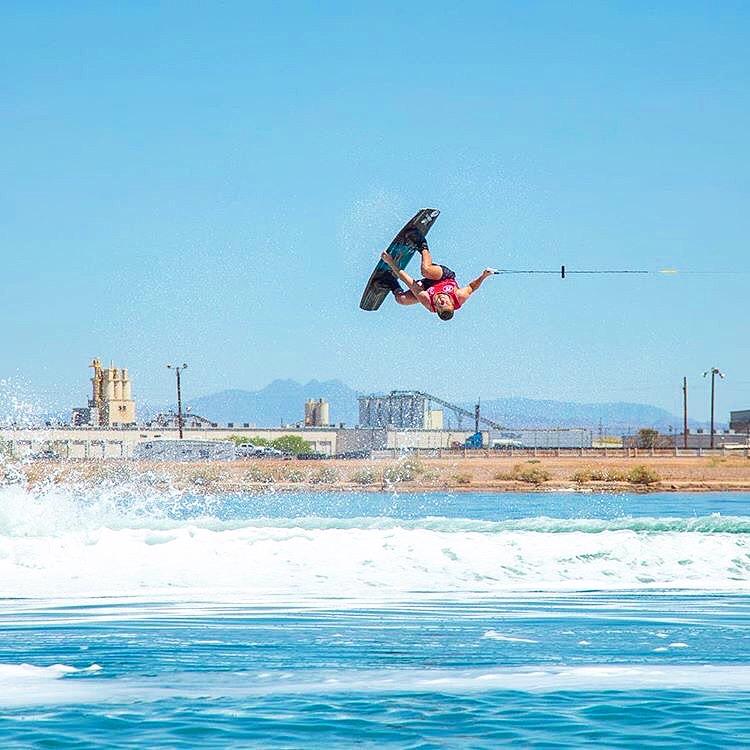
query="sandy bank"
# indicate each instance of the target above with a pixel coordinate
(495, 474)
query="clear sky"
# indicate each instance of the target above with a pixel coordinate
(213, 182)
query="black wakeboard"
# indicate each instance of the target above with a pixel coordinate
(402, 249)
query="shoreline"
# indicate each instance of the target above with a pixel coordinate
(410, 474)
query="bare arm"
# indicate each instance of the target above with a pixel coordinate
(465, 292)
(420, 294)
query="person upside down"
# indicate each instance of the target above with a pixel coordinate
(438, 290)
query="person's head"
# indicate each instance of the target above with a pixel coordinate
(443, 306)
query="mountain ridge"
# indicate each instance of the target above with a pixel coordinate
(282, 402)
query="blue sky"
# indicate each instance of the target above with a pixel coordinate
(213, 182)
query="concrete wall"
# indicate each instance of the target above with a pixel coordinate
(28, 447)
(97, 442)
(87, 442)
(185, 450)
(360, 439)
(428, 439)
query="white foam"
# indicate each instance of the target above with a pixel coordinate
(23, 685)
(56, 545)
(27, 684)
(495, 636)
(21, 672)
(255, 563)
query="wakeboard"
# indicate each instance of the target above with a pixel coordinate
(402, 250)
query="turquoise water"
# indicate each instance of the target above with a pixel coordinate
(141, 617)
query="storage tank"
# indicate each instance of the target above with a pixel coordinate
(118, 384)
(109, 386)
(127, 388)
(309, 413)
(316, 413)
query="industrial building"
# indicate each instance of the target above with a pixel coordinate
(397, 410)
(739, 421)
(111, 403)
(398, 421)
(317, 413)
(702, 439)
(415, 410)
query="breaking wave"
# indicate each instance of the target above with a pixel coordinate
(62, 542)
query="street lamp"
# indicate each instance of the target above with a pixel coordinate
(178, 369)
(714, 371)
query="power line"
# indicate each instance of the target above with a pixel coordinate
(563, 271)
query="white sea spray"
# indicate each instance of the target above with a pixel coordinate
(121, 538)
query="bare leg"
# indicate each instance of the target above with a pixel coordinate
(406, 298)
(428, 269)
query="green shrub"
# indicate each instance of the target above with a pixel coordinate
(367, 475)
(643, 475)
(588, 474)
(614, 475)
(292, 444)
(325, 475)
(582, 476)
(259, 475)
(413, 465)
(532, 474)
(524, 473)
(292, 475)
(462, 479)
(403, 471)
(204, 477)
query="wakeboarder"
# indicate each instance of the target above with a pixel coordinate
(437, 290)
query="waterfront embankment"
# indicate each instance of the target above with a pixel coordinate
(483, 473)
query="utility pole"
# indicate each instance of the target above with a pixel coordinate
(714, 371)
(684, 414)
(178, 369)
(476, 415)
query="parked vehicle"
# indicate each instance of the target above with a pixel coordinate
(248, 450)
(46, 454)
(245, 450)
(267, 451)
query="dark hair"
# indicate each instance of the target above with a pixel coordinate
(445, 314)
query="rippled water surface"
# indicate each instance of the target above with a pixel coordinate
(144, 618)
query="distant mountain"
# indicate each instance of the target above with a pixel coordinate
(614, 417)
(282, 401)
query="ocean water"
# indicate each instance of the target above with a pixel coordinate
(133, 615)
